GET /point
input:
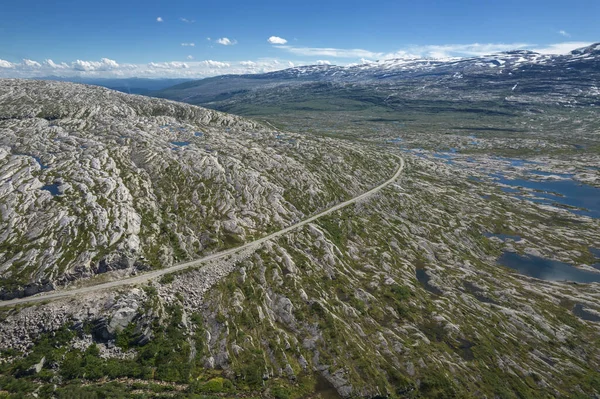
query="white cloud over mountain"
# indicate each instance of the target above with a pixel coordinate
(431, 51)
(108, 68)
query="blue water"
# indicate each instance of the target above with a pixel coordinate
(39, 161)
(596, 253)
(52, 188)
(198, 134)
(515, 161)
(542, 173)
(502, 236)
(180, 143)
(423, 278)
(546, 269)
(566, 192)
(580, 312)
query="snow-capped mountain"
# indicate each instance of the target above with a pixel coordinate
(580, 70)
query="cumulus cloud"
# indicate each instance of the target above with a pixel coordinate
(6, 64)
(104, 64)
(276, 40)
(31, 64)
(215, 64)
(190, 57)
(54, 65)
(168, 65)
(187, 21)
(107, 68)
(564, 33)
(226, 42)
(188, 44)
(159, 19)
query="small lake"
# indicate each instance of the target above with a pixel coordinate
(423, 278)
(39, 161)
(180, 143)
(565, 192)
(546, 269)
(52, 188)
(580, 312)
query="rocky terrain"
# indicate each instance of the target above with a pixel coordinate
(94, 180)
(413, 292)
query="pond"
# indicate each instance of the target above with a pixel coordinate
(546, 269)
(580, 312)
(39, 161)
(424, 278)
(180, 143)
(52, 188)
(569, 193)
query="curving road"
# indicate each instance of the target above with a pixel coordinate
(181, 266)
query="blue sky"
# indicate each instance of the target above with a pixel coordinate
(169, 38)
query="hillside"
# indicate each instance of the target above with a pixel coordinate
(95, 180)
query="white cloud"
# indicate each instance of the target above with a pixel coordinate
(564, 33)
(561, 48)
(190, 57)
(226, 42)
(431, 51)
(215, 64)
(52, 64)
(188, 44)
(159, 19)
(104, 64)
(168, 65)
(107, 68)
(276, 40)
(187, 21)
(6, 64)
(328, 52)
(31, 64)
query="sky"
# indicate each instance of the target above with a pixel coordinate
(195, 39)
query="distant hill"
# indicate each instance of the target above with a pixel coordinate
(525, 76)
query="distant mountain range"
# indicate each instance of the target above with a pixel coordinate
(572, 77)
